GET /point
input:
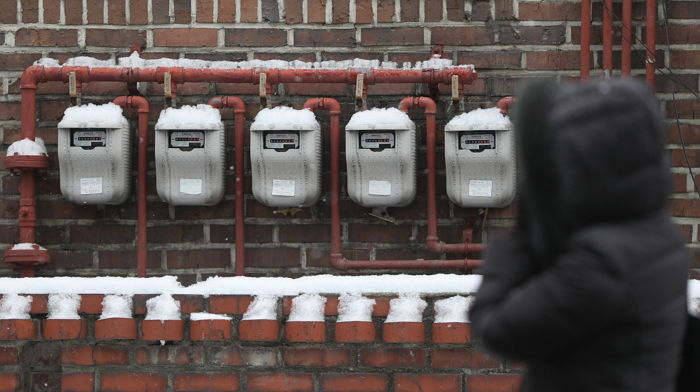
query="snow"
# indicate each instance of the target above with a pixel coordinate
(480, 119)
(208, 316)
(263, 307)
(354, 307)
(135, 61)
(27, 246)
(107, 115)
(27, 147)
(201, 116)
(453, 310)
(15, 307)
(379, 118)
(308, 307)
(246, 285)
(694, 297)
(285, 118)
(116, 306)
(163, 307)
(64, 306)
(408, 307)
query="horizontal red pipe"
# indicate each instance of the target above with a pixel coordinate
(238, 107)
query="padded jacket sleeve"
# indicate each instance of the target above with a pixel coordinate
(522, 314)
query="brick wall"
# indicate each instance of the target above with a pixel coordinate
(219, 356)
(508, 41)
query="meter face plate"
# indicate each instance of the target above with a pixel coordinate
(377, 141)
(186, 139)
(477, 141)
(88, 138)
(281, 141)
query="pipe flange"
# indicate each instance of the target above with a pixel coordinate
(19, 163)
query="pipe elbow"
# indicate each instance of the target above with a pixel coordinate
(140, 103)
(429, 106)
(505, 104)
(30, 76)
(339, 262)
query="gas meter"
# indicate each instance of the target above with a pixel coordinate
(285, 155)
(190, 155)
(94, 154)
(380, 151)
(480, 159)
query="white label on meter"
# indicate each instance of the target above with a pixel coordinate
(281, 141)
(89, 138)
(283, 188)
(191, 186)
(480, 188)
(476, 141)
(377, 140)
(91, 186)
(187, 139)
(379, 188)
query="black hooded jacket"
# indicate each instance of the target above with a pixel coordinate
(590, 289)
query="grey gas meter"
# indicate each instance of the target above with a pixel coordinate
(285, 157)
(190, 155)
(380, 152)
(94, 154)
(480, 159)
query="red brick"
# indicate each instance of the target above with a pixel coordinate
(205, 11)
(685, 208)
(433, 11)
(175, 234)
(185, 37)
(553, 60)
(8, 356)
(690, 132)
(684, 9)
(315, 356)
(203, 258)
(354, 383)
(550, 10)
(121, 259)
(169, 355)
(94, 11)
(33, 37)
(103, 234)
(686, 232)
(249, 11)
(52, 110)
(504, 10)
(16, 62)
(253, 233)
(77, 382)
(679, 183)
(107, 38)
(30, 11)
(275, 257)
(255, 37)
(379, 233)
(493, 383)
(9, 110)
(455, 10)
(9, 16)
(472, 35)
(491, 60)
(138, 12)
(229, 304)
(684, 109)
(116, 12)
(410, 10)
(280, 382)
(386, 11)
(88, 356)
(9, 382)
(136, 382)
(304, 233)
(462, 358)
(316, 11)
(363, 11)
(52, 11)
(678, 158)
(427, 382)
(160, 11)
(392, 36)
(206, 382)
(393, 357)
(293, 11)
(324, 37)
(270, 11)
(182, 10)
(532, 35)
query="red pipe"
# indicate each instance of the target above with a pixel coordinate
(585, 39)
(238, 107)
(141, 104)
(607, 37)
(505, 104)
(651, 43)
(626, 60)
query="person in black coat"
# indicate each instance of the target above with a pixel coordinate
(589, 290)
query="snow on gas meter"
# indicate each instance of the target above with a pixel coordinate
(285, 155)
(94, 154)
(480, 159)
(190, 155)
(380, 151)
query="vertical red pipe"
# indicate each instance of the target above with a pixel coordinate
(238, 107)
(627, 37)
(607, 37)
(141, 104)
(651, 43)
(585, 39)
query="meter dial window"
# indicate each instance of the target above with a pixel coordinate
(281, 141)
(186, 140)
(88, 138)
(377, 141)
(477, 141)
